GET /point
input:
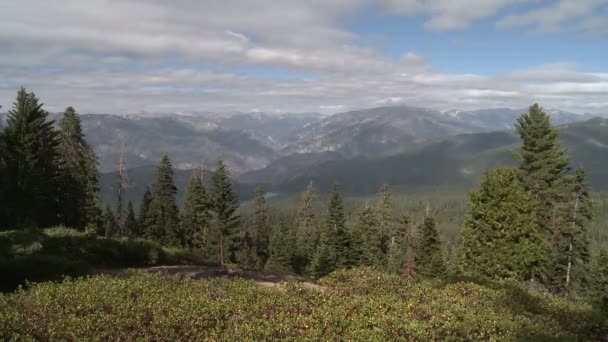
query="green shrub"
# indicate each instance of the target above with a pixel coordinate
(142, 306)
(50, 254)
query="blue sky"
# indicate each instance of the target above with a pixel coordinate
(155, 56)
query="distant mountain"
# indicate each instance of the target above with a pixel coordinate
(371, 132)
(276, 130)
(283, 168)
(495, 119)
(454, 162)
(187, 140)
(384, 130)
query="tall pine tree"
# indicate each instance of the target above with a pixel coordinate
(224, 204)
(543, 163)
(260, 227)
(598, 289)
(31, 172)
(162, 221)
(78, 174)
(366, 232)
(282, 247)
(429, 250)
(143, 210)
(131, 225)
(196, 217)
(334, 245)
(306, 230)
(384, 218)
(500, 238)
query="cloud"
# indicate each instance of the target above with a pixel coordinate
(551, 18)
(188, 56)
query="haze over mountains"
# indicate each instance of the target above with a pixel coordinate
(406, 146)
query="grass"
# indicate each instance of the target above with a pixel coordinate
(51, 254)
(359, 304)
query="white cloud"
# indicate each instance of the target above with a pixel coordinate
(187, 56)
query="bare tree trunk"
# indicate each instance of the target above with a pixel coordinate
(569, 269)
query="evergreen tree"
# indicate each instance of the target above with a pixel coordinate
(384, 218)
(307, 233)
(334, 245)
(31, 173)
(196, 217)
(500, 238)
(131, 225)
(3, 183)
(598, 289)
(260, 228)
(224, 204)
(409, 266)
(543, 164)
(367, 246)
(143, 210)
(246, 254)
(576, 237)
(282, 246)
(162, 221)
(78, 172)
(429, 250)
(109, 223)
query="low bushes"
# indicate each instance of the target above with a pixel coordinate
(359, 304)
(50, 254)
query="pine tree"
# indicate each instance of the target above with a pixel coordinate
(162, 221)
(500, 238)
(334, 246)
(429, 250)
(131, 226)
(384, 217)
(109, 223)
(409, 266)
(261, 228)
(543, 164)
(196, 217)
(367, 246)
(78, 173)
(246, 255)
(31, 171)
(224, 204)
(307, 232)
(143, 210)
(3, 182)
(598, 289)
(282, 246)
(578, 256)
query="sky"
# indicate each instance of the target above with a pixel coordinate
(188, 56)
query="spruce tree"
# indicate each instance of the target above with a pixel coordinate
(31, 165)
(598, 287)
(224, 204)
(409, 242)
(429, 250)
(306, 230)
(261, 230)
(282, 247)
(196, 217)
(543, 163)
(143, 210)
(3, 183)
(109, 223)
(162, 221)
(334, 245)
(367, 246)
(131, 228)
(384, 218)
(78, 174)
(500, 238)
(576, 237)
(246, 255)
